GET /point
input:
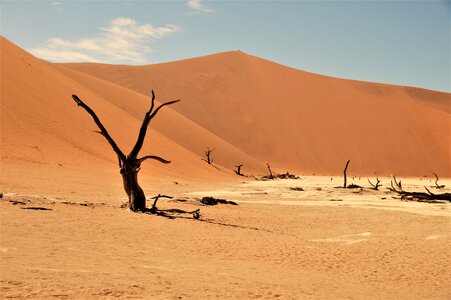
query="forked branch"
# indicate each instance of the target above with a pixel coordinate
(209, 159)
(377, 185)
(103, 131)
(147, 118)
(153, 209)
(170, 213)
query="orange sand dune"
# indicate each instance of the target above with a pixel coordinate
(301, 121)
(48, 145)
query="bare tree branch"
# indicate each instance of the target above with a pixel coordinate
(147, 118)
(154, 205)
(103, 130)
(162, 160)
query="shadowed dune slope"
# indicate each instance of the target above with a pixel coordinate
(297, 120)
(48, 144)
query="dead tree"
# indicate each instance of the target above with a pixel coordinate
(418, 196)
(238, 170)
(377, 185)
(436, 182)
(271, 176)
(344, 173)
(130, 164)
(397, 187)
(209, 159)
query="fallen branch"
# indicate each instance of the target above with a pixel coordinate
(418, 196)
(215, 201)
(168, 213)
(297, 189)
(354, 186)
(154, 209)
(271, 175)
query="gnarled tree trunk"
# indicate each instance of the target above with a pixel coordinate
(130, 165)
(136, 197)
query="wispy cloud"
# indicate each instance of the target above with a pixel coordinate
(121, 41)
(57, 5)
(198, 6)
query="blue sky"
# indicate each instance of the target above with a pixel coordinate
(397, 42)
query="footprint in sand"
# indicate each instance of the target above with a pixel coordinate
(346, 239)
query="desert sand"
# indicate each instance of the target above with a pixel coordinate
(276, 243)
(65, 235)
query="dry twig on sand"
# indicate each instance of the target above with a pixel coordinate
(130, 164)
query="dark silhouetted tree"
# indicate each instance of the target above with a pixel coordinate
(209, 159)
(238, 170)
(130, 164)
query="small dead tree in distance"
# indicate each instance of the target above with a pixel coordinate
(209, 159)
(344, 173)
(130, 164)
(397, 184)
(436, 182)
(271, 176)
(238, 170)
(375, 186)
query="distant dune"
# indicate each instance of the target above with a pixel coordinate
(251, 110)
(297, 120)
(48, 144)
